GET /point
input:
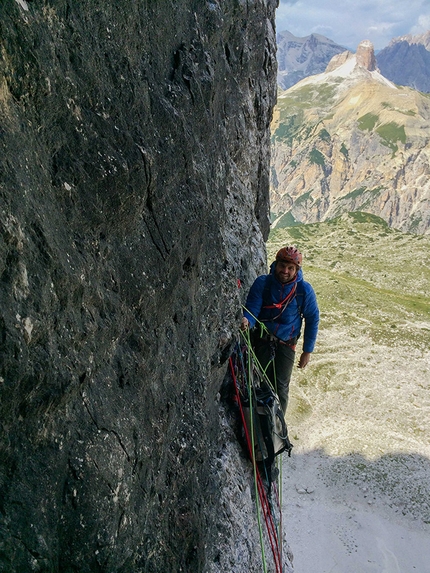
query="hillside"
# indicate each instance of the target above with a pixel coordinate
(359, 416)
(351, 140)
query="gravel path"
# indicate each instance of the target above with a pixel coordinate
(356, 491)
(338, 522)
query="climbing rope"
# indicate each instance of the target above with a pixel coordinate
(244, 369)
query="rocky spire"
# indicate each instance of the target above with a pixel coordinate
(366, 56)
(338, 60)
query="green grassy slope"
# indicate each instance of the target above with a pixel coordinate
(367, 387)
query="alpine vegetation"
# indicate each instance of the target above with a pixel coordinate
(349, 139)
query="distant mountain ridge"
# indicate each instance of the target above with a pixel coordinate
(405, 61)
(423, 39)
(302, 57)
(349, 139)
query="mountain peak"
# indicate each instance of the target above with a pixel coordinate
(366, 56)
(302, 57)
(406, 61)
(353, 68)
(423, 39)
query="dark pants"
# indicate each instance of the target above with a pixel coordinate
(279, 369)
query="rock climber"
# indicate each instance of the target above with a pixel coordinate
(281, 301)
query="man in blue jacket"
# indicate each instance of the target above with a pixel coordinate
(281, 301)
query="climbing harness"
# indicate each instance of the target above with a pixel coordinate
(281, 306)
(297, 292)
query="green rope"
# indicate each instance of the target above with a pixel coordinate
(263, 371)
(263, 330)
(279, 466)
(246, 336)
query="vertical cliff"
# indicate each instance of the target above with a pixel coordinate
(134, 192)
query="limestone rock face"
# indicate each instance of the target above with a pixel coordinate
(134, 193)
(366, 56)
(339, 60)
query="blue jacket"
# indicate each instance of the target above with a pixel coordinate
(284, 324)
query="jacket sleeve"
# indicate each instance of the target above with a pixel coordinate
(311, 316)
(254, 301)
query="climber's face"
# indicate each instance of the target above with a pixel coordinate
(285, 271)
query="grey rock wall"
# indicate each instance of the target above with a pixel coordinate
(406, 63)
(134, 192)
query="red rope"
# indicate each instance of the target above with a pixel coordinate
(286, 300)
(264, 502)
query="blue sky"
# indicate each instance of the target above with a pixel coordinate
(348, 22)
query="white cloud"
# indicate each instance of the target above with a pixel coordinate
(350, 22)
(422, 25)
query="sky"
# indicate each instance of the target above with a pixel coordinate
(348, 22)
